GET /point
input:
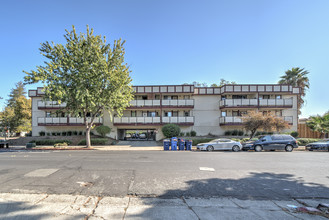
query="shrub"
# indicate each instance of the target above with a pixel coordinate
(64, 133)
(103, 130)
(64, 144)
(29, 134)
(294, 134)
(181, 134)
(69, 133)
(42, 133)
(306, 141)
(95, 141)
(228, 133)
(170, 130)
(188, 134)
(193, 133)
(235, 132)
(75, 133)
(50, 142)
(235, 139)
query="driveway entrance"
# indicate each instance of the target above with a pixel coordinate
(137, 134)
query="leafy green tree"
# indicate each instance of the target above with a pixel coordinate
(87, 74)
(171, 130)
(16, 117)
(319, 123)
(297, 77)
(225, 82)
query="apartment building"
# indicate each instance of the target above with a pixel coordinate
(208, 110)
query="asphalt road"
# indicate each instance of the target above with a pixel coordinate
(243, 175)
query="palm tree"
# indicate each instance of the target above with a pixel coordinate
(297, 77)
(319, 123)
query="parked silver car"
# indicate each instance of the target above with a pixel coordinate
(220, 144)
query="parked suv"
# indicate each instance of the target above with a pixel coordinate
(272, 142)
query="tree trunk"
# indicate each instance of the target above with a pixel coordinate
(88, 142)
(252, 133)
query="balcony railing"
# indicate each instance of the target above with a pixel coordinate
(137, 120)
(256, 103)
(237, 120)
(238, 102)
(178, 120)
(276, 102)
(163, 103)
(154, 120)
(50, 105)
(177, 102)
(65, 121)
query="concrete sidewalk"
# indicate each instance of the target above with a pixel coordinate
(43, 206)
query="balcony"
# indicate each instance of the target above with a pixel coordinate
(66, 121)
(178, 120)
(42, 105)
(153, 120)
(237, 120)
(255, 103)
(276, 103)
(174, 103)
(136, 120)
(241, 103)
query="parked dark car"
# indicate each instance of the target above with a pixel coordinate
(320, 145)
(4, 144)
(272, 142)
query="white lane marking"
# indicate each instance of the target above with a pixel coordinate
(41, 173)
(207, 169)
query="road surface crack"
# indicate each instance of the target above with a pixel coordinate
(94, 209)
(124, 214)
(190, 207)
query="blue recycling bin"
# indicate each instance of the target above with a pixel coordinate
(188, 144)
(173, 143)
(166, 144)
(181, 144)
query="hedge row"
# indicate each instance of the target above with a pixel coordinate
(50, 142)
(95, 141)
(306, 141)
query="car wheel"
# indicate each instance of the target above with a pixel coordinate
(235, 148)
(210, 148)
(289, 148)
(258, 148)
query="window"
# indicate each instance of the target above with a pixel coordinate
(266, 96)
(166, 97)
(175, 97)
(186, 113)
(239, 96)
(223, 97)
(168, 114)
(186, 97)
(278, 113)
(48, 114)
(151, 114)
(276, 137)
(223, 113)
(278, 96)
(157, 97)
(144, 97)
(235, 113)
(175, 114)
(133, 114)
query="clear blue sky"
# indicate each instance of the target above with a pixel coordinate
(174, 42)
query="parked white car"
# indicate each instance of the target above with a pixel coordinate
(220, 144)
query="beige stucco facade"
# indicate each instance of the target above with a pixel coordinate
(208, 111)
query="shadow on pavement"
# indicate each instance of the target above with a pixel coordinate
(257, 187)
(20, 210)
